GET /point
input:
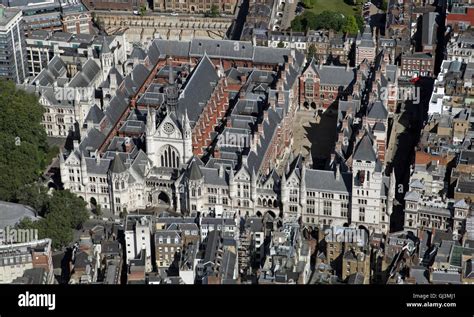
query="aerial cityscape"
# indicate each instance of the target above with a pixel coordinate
(236, 142)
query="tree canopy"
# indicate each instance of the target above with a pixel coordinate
(350, 25)
(63, 212)
(22, 140)
(327, 20)
(26, 154)
(311, 51)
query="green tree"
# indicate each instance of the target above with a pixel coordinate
(327, 20)
(350, 25)
(22, 140)
(72, 207)
(360, 22)
(308, 4)
(214, 12)
(297, 24)
(142, 10)
(281, 44)
(64, 212)
(98, 210)
(34, 195)
(311, 51)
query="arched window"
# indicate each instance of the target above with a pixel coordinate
(123, 184)
(193, 192)
(117, 185)
(169, 157)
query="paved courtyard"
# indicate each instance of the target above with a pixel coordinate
(315, 133)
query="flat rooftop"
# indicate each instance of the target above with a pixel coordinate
(7, 15)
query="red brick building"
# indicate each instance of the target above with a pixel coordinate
(320, 85)
(417, 65)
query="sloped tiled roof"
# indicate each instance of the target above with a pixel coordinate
(377, 110)
(365, 150)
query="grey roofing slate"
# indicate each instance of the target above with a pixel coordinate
(116, 108)
(90, 71)
(56, 68)
(92, 141)
(333, 75)
(326, 181)
(194, 170)
(270, 55)
(138, 53)
(99, 168)
(211, 176)
(95, 115)
(117, 165)
(198, 89)
(377, 110)
(221, 48)
(364, 150)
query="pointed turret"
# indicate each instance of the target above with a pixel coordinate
(187, 137)
(117, 165)
(253, 185)
(309, 160)
(194, 171)
(85, 178)
(170, 72)
(232, 184)
(171, 90)
(283, 189)
(303, 185)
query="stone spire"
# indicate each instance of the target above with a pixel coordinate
(171, 90)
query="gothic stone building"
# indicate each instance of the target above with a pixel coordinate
(157, 145)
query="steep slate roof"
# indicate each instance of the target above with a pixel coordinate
(97, 166)
(366, 39)
(255, 157)
(211, 176)
(92, 141)
(218, 48)
(95, 115)
(116, 107)
(364, 150)
(333, 75)
(90, 71)
(138, 53)
(378, 126)
(412, 196)
(240, 50)
(326, 181)
(428, 28)
(198, 89)
(194, 171)
(377, 111)
(117, 165)
(270, 55)
(55, 69)
(461, 204)
(118, 76)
